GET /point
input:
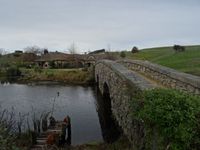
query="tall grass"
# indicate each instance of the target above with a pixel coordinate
(78, 76)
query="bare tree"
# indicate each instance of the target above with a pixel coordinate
(2, 51)
(72, 48)
(108, 48)
(34, 49)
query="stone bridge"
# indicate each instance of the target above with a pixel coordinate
(122, 81)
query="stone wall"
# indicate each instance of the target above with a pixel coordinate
(123, 85)
(165, 76)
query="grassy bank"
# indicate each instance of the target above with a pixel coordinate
(188, 61)
(71, 76)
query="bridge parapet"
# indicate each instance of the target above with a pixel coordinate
(165, 76)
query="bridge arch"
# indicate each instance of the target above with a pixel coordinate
(110, 128)
(97, 80)
(106, 94)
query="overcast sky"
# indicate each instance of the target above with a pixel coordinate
(95, 24)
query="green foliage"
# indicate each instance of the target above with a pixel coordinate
(75, 76)
(6, 139)
(2, 72)
(13, 72)
(135, 50)
(122, 54)
(37, 69)
(52, 64)
(178, 48)
(174, 114)
(49, 74)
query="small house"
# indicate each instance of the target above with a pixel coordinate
(59, 60)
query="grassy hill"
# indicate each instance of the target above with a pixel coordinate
(188, 61)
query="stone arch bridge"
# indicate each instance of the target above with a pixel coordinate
(124, 79)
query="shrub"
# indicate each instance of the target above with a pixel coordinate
(7, 130)
(122, 54)
(52, 64)
(6, 139)
(49, 74)
(110, 56)
(37, 69)
(174, 115)
(13, 72)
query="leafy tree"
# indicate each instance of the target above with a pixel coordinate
(179, 48)
(46, 51)
(135, 50)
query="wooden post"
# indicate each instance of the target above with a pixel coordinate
(38, 126)
(69, 132)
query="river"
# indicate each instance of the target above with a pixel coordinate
(79, 102)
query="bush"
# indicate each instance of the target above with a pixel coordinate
(37, 69)
(49, 74)
(122, 54)
(110, 56)
(6, 139)
(52, 64)
(13, 72)
(174, 115)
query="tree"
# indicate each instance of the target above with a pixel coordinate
(122, 54)
(72, 48)
(2, 51)
(135, 49)
(34, 49)
(46, 51)
(179, 48)
(108, 48)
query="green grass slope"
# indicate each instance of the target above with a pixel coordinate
(188, 61)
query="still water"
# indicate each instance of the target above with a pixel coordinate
(79, 102)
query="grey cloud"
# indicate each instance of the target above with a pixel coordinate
(93, 24)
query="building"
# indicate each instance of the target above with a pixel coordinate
(59, 60)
